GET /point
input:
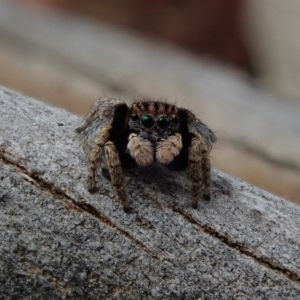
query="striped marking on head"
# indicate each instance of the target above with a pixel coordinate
(154, 108)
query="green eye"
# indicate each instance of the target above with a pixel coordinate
(134, 117)
(147, 121)
(163, 122)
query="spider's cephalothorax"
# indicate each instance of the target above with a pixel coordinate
(145, 133)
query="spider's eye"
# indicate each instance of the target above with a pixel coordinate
(163, 122)
(147, 121)
(134, 117)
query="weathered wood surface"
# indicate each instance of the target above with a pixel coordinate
(72, 61)
(59, 241)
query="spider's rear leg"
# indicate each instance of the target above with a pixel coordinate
(199, 165)
(95, 157)
(116, 173)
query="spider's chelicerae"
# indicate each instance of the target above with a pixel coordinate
(145, 133)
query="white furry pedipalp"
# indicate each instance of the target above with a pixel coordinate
(141, 150)
(168, 148)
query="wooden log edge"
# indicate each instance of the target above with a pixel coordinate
(59, 241)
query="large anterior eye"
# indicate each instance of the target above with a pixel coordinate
(147, 121)
(163, 122)
(134, 117)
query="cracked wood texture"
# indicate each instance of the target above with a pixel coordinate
(58, 241)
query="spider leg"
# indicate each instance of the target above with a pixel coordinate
(199, 165)
(115, 172)
(95, 157)
(206, 166)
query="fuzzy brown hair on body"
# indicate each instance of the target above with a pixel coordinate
(145, 133)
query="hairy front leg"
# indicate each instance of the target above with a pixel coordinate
(95, 157)
(199, 165)
(116, 173)
(206, 167)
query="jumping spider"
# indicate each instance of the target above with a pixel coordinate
(145, 133)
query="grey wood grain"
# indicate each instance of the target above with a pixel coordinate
(59, 241)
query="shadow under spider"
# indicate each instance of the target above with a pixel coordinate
(158, 177)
